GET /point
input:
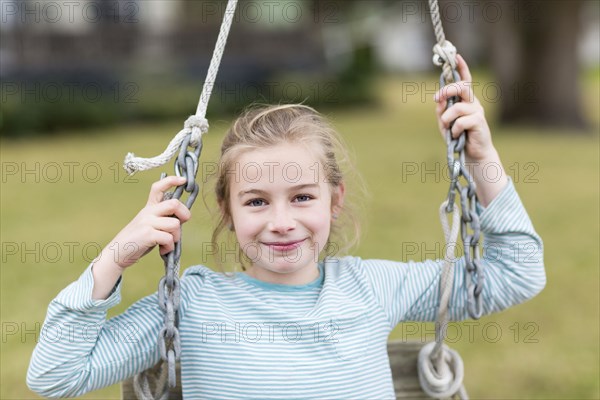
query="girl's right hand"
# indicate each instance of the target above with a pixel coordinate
(158, 223)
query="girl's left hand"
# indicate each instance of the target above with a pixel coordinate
(467, 115)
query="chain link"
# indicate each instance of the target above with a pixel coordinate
(470, 231)
(169, 342)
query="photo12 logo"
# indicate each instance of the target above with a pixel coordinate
(70, 92)
(71, 332)
(472, 331)
(68, 12)
(63, 172)
(269, 332)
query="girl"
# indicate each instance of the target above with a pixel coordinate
(293, 325)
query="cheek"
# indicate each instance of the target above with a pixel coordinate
(321, 230)
(319, 223)
(246, 229)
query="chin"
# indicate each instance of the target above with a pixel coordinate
(284, 268)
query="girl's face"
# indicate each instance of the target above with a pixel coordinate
(281, 206)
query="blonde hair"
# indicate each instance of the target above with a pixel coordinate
(263, 126)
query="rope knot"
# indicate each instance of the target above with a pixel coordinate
(444, 53)
(198, 126)
(443, 380)
(130, 165)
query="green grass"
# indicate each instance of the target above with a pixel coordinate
(545, 348)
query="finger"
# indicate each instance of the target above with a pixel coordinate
(158, 188)
(460, 89)
(464, 124)
(165, 249)
(159, 238)
(170, 225)
(463, 69)
(164, 241)
(172, 207)
(457, 110)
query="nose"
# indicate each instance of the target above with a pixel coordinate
(282, 220)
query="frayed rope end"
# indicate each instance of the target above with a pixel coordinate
(129, 165)
(195, 126)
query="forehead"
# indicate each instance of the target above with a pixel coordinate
(283, 164)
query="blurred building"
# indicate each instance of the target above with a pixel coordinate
(46, 35)
(78, 63)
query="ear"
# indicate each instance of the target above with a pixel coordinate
(337, 198)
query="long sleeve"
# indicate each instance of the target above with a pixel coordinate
(80, 351)
(512, 258)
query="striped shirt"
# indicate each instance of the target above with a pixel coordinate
(244, 338)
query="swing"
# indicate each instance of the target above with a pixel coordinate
(419, 370)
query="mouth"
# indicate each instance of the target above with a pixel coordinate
(284, 246)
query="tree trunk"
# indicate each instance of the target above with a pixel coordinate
(534, 57)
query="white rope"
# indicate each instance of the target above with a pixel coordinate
(444, 51)
(447, 278)
(441, 370)
(196, 125)
(211, 76)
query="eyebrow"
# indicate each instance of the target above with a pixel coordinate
(262, 192)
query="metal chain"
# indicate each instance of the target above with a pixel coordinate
(169, 342)
(169, 299)
(440, 368)
(470, 229)
(444, 56)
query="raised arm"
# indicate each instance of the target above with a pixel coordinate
(79, 350)
(512, 255)
(512, 250)
(468, 115)
(152, 226)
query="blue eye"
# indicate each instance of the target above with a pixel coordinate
(304, 197)
(255, 202)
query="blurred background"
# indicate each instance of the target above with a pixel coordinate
(83, 82)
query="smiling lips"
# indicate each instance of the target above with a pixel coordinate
(284, 246)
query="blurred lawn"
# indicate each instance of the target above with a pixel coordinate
(546, 348)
